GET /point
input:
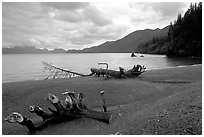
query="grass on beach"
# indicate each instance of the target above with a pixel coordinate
(166, 101)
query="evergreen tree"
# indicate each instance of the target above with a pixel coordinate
(186, 33)
(184, 37)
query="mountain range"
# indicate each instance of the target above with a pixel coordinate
(30, 50)
(127, 44)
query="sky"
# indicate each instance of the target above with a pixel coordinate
(77, 25)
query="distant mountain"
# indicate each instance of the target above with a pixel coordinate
(74, 51)
(58, 51)
(128, 43)
(30, 50)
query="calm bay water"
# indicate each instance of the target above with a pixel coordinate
(20, 67)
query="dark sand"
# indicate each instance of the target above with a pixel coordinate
(166, 101)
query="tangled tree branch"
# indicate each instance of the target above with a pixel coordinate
(57, 72)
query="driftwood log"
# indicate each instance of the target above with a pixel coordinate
(72, 108)
(22, 120)
(134, 72)
(56, 72)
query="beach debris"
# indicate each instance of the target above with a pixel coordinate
(104, 103)
(132, 73)
(38, 110)
(117, 133)
(57, 72)
(82, 101)
(70, 109)
(56, 103)
(16, 117)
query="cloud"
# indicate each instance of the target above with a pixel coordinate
(168, 8)
(66, 5)
(19, 22)
(68, 16)
(163, 10)
(79, 25)
(87, 13)
(157, 14)
(94, 15)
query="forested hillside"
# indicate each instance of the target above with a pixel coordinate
(126, 44)
(184, 37)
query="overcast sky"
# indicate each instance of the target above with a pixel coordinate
(78, 25)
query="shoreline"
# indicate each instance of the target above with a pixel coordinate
(175, 67)
(159, 102)
(3, 82)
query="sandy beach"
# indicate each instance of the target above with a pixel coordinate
(162, 101)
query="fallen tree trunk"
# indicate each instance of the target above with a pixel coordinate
(134, 72)
(77, 110)
(57, 72)
(101, 116)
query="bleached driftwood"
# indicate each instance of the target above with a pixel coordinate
(73, 108)
(134, 72)
(56, 72)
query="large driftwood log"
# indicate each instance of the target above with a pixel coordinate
(134, 72)
(77, 112)
(81, 109)
(93, 114)
(73, 108)
(57, 72)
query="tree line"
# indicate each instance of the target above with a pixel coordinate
(184, 37)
